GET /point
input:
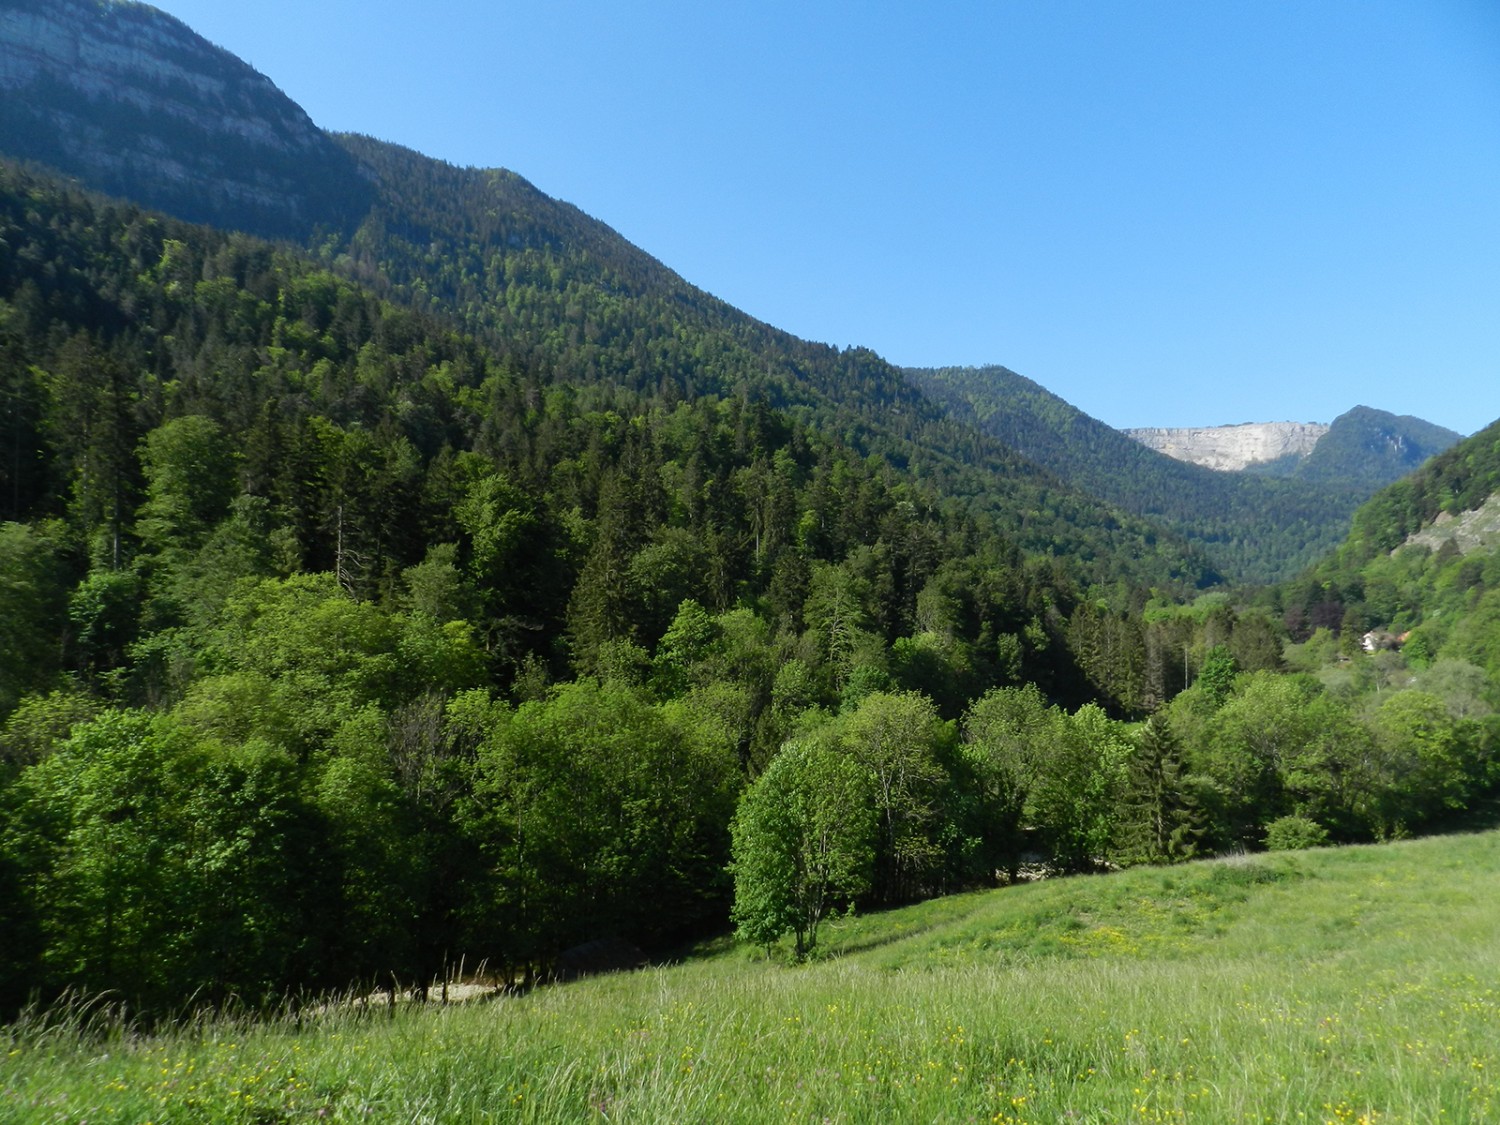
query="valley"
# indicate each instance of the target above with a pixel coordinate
(402, 572)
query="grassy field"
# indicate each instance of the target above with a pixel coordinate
(1348, 985)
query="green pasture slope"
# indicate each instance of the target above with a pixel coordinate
(1349, 985)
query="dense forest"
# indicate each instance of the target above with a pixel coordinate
(356, 630)
(556, 292)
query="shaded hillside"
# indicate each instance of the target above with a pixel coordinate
(558, 292)
(1253, 529)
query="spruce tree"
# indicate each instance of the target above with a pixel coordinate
(1162, 821)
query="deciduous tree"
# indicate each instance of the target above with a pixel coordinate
(804, 841)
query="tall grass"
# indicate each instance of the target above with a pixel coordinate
(1338, 986)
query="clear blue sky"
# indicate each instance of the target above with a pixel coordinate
(1192, 212)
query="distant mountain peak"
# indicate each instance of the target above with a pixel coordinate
(1236, 447)
(1363, 445)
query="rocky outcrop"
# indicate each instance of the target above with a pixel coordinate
(133, 101)
(1477, 530)
(1232, 448)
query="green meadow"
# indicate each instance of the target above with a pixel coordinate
(1356, 984)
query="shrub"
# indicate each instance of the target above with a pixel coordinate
(1292, 833)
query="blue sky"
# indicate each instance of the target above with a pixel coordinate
(1169, 213)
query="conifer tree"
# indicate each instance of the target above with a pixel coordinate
(1161, 819)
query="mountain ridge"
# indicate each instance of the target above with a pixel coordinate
(1363, 446)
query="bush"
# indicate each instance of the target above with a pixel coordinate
(1292, 833)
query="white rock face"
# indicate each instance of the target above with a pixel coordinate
(1231, 448)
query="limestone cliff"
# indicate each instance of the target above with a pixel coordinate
(130, 99)
(1231, 448)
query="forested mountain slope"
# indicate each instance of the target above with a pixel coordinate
(1459, 480)
(1252, 528)
(360, 428)
(562, 296)
(447, 654)
(556, 291)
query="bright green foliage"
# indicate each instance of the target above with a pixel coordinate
(1464, 689)
(1046, 780)
(940, 666)
(1477, 638)
(803, 842)
(1423, 760)
(1280, 745)
(40, 724)
(162, 867)
(836, 619)
(104, 611)
(1216, 677)
(436, 588)
(863, 681)
(898, 739)
(1074, 803)
(1293, 833)
(322, 656)
(1005, 738)
(305, 628)
(190, 481)
(685, 648)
